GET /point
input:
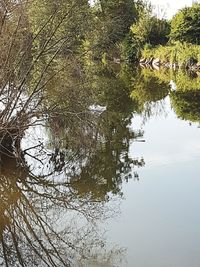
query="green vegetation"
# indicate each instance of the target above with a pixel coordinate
(65, 116)
(186, 105)
(150, 29)
(52, 46)
(185, 81)
(147, 89)
(184, 38)
(185, 25)
(183, 53)
(146, 30)
(111, 25)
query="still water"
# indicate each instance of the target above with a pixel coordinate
(116, 186)
(159, 223)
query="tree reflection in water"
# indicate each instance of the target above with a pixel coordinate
(104, 161)
(152, 86)
(54, 191)
(186, 104)
(59, 176)
(35, 212)
(56, 188)
(150, 92)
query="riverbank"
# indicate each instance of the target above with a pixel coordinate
(176, 56)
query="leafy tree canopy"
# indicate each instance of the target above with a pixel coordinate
(185, 25)
(150, 29)
(113, 21)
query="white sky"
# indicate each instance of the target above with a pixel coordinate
(169, 7)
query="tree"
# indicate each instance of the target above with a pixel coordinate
(185, 25)
(112, 21)
(147, 29)
(150, 29)
(123, 11)
(60, 21)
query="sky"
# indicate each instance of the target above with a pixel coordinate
(168, 8)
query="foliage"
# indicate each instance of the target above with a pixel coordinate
(150, 29)
(123, 12)
(185, 25)
(147, 29)
(111, 25)
(131, 48)
(54, 88)
(15, 37)
(178, 52)
(186, 105)
(58, 21)
(148, 89)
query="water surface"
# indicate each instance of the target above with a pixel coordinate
(159, 223)
(109, 177)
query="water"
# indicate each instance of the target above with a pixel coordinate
(111, 182)
(159, 224)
